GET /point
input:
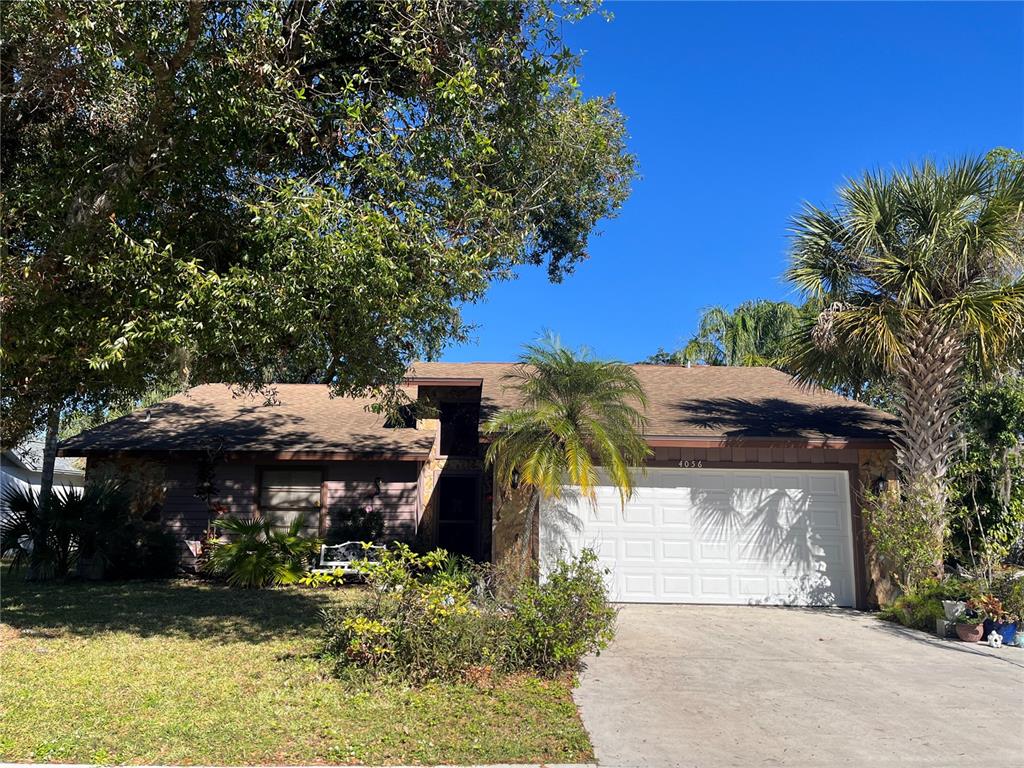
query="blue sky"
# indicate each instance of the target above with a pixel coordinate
(738, 112)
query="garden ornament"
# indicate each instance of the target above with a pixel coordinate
(994, 639)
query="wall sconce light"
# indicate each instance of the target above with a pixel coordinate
(378, 485)
(879, 484)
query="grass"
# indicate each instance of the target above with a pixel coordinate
(190, 673)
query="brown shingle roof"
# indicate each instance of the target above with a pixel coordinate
(712, 402)
(305, 418)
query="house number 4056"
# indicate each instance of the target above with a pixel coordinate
(688, 464)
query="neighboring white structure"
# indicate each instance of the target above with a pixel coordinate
(22, 467)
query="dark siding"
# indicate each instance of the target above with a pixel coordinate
(351, 484)
(346, 484)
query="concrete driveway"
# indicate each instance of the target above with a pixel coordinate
(717, 686)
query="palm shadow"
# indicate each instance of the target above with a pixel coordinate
(778, 418)
(560, 529)
(768, 526)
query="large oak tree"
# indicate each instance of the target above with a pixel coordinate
(227, 190)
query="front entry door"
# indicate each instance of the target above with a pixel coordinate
(458, 515)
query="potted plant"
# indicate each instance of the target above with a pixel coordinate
(1008, 586)
(970, 624)
(953, 608)
(997, 619)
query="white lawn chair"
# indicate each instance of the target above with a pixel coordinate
(340, 557)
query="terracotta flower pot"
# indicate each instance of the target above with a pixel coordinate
(970, 633)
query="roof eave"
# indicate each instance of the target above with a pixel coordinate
(831, 442)
(824, 441)
(298, 455)
(446, 381)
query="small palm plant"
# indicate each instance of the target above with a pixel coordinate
(43, 538)
(578, 416)
(258, 555)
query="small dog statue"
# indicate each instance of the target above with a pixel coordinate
(995, 640)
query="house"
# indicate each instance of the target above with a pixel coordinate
(22, 468)
(751, 495)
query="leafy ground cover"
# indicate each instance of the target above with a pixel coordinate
(188, 673)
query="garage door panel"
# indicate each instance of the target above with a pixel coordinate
(809, 589)
(675, 515)
(637, 584)
(787, 481)
(676, 550)
(638, 514)
(713, 551)
(824, 484)
(830, 556)
(677, 587)
(725, 536)
(638, 549)
(602, 513)
(826, 520)
(717, 587)
(752, 586)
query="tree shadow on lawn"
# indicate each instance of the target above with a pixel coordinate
(180, 608)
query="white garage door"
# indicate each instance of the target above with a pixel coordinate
(716, 536)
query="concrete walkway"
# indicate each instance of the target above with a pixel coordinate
(729, 686)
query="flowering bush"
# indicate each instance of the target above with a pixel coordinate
(431, 616)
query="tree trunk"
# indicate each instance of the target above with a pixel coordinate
(49, 458)
(41, 526)
(511, 535)
(929, 382)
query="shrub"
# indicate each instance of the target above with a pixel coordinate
(93, 527)
(115, 542)
(256, 555)
(556, 623)
(143, 550)
(357, 524)
(909, 532)
(431, 616)
(45, 540)
(417, 621)
(919, 607)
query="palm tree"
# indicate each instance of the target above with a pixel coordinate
(755, 333)
(915, 272)
(257, 554)
(42, 536)
(578, 416)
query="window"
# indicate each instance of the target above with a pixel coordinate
(289, 493)
(459, 429)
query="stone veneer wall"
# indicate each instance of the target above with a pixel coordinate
(875, 464)
(430, 471)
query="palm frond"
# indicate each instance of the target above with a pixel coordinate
(578, 414)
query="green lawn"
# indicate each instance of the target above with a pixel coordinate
(182, 672)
